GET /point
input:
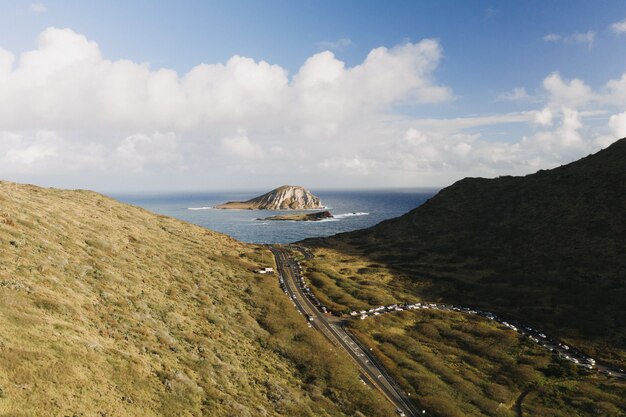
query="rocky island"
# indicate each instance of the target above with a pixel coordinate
(302, 217)
(287, 197)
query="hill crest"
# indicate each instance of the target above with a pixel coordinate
(546, 246)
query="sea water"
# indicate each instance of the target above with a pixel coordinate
(352, 210)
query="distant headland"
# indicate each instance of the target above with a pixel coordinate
(287, 197)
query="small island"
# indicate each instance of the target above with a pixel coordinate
(287, 197)
(302, 217)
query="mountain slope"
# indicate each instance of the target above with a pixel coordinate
(547, 247)
(286, 197)
(109, 310)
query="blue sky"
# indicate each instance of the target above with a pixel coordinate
(536, 84)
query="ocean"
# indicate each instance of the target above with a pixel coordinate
(352, 210)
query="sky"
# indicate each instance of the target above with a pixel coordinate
(122, 96)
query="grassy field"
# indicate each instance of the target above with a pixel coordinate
(346, 282)
(460, 365)
(457, 365)
(109, 310)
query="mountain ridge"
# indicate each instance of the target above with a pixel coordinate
(547, 246)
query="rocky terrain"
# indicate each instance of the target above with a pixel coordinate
(287, 197)
(301, 217)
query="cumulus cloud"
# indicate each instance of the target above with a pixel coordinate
(615, 91)
(572, 93)
(35, 152)
(66, 83)
(241, 146)
(139, 150)
(543, 117)
(619, 27)
(47, 152)
(69, 110)
(559, 134)
(241, 108)
(617, 123)
(6, 62)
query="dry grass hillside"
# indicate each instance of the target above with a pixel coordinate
(109, 310)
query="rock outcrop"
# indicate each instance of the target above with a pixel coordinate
(287, 197)
(302, 217)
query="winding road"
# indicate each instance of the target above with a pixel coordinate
(332, 328)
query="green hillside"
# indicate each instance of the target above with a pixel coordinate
(109, 310)
(459, 365)
(547, 248)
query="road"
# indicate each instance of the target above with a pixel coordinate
(546, 341)
(332, 328)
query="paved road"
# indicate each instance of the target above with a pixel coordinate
(546, 341)
(331, 327)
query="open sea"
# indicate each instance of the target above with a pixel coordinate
(352, 210)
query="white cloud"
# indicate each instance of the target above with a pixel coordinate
(619, 27)
(355, 165)
(461, 123)
(31, 154)
(579, 38)
(6, 62)
(560, 145)
(615, 91)
(67, 110)
(552, 37)
(47, 152)
(586, 38)
(572, 93)
(37, 8)
(158, 149)
(241, 146)
(327, 92)
(517, 94)
(22, 152)
(66, 84)
(543, 117)
(617, 124)
(338, 45)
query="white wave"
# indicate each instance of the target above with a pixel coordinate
(359, 213)
(199, 208)
(332, 219)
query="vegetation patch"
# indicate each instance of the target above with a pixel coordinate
(458, 365)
